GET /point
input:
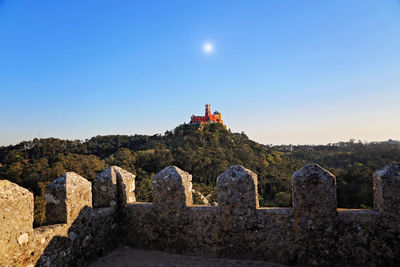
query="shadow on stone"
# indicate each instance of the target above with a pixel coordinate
(313, 232)
(86, 232)
(88, 237)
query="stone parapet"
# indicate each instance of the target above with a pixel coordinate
(66, 197)
(387, 189)
(313, 231)
(16, 219)
(314, 192)
(113, 185)
(76, 233)
(237, 190)
(172, 189)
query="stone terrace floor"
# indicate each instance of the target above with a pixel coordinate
(126, 257)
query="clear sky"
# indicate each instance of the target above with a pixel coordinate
(283, 71)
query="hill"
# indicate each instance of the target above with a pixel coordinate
(205, 151)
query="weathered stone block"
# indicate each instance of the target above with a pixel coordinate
(237, 190)
(314, 192)
(233, 229)
(172, 189)
(105, 188)
(126, 185)
(387, 189)
(16, 219)
(66, 197)
(112, 185)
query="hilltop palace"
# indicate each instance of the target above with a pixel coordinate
(208, 118)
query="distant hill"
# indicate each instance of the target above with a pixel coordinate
(205, 151)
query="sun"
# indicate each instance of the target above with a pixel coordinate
(208, 48)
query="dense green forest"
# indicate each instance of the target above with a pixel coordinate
(204, 151)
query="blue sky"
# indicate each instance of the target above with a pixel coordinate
(282, 71)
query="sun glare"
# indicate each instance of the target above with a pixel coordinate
(208, 48)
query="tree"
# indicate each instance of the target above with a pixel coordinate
(122, 158)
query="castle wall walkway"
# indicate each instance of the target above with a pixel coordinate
(86, 220)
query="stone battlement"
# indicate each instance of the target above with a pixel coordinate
(86, 219)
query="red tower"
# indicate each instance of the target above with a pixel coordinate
(208, 117)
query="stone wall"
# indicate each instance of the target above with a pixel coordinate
(75, 233)
(313, 231)
(87, 220)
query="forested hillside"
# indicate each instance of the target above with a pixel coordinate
(205, 152)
